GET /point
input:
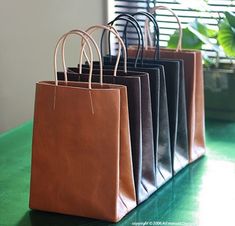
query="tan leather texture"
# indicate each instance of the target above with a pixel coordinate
(81, 151)
(193, 70)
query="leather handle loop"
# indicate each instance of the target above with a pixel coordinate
(152, 10)
(92, 29)
(135, 24)
(153, 20)
(62, 40)
(97, 49)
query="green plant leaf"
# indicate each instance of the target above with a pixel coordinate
(204, 39)
(231, 18)
(190, 40)
(226, 38)
(203, 29)
(207, 61)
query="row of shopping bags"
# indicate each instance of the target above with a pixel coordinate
(109, 133)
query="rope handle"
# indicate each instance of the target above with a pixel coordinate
(110, 28)
(147, 30)
(91, 64)
(62, 40)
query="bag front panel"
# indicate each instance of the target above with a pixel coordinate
(76, 143)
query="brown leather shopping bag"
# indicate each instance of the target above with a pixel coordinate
(81, 152)
(194, 99)
(194, 87)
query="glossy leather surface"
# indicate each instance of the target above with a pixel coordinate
(194, 197)
(179, 138)
(194, 97)
(143, 156)
(176, 104)
(76, 170)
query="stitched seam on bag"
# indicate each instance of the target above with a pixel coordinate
(54, 98)
(91, 102)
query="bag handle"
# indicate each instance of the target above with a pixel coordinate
(152, 10)
(135, 24)
(150, 17)
(131, 19)
(80, 59)
(92, 29)
(62, 40)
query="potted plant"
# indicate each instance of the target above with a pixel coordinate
(219, 77)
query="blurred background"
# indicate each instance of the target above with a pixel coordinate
(30, 29)
(29, 32)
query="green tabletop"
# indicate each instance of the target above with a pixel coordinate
(202, 194)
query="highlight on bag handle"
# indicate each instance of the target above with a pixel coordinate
(82, 48)
(152, 10)
(91, 29)
(61, 39)
(136, 25)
